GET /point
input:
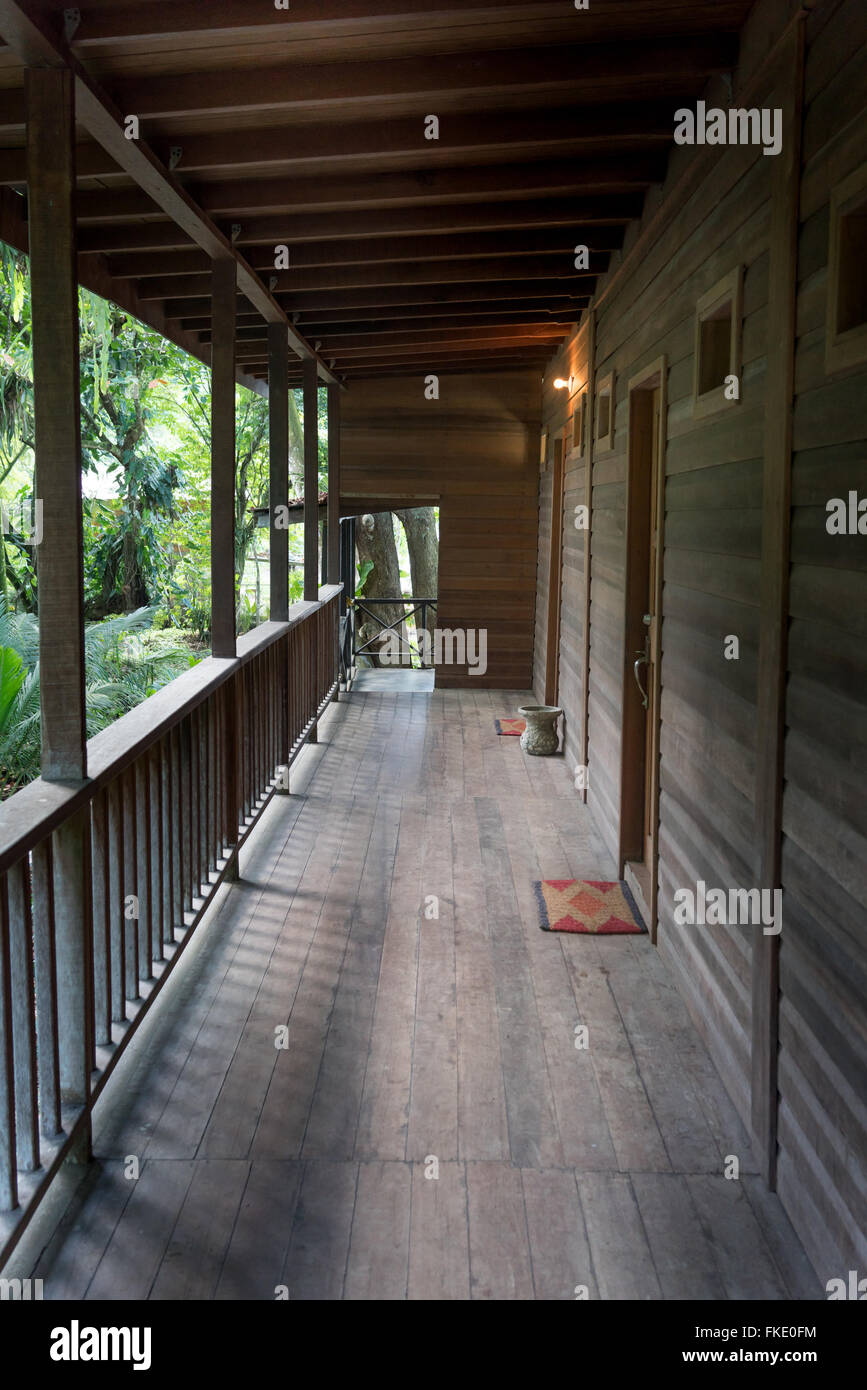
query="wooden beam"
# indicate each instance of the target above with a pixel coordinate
(333, 530)
(278, 477)
(369, 278)
(560, 292)
(613, 210)
(223, 634)
(529, 242)
(374, 146)
(553, 303)
(237, 200)
(189, 23)
(34, 42)
(624, 173)
(54, 297)
(778, 396)
(311, 483)
(334, 330)
(605, 72)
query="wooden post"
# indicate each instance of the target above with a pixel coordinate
(278, 422)
(333, 485)
(56, 382)
(311, 480)
(223, 291)
(774, 591)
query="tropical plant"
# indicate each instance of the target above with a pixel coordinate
(120, 672)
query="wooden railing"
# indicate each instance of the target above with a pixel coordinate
(102, 882)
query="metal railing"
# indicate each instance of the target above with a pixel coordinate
(103, 882)
(358, 606)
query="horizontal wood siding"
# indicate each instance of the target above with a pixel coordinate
(714, 222)
(476, 451)
(823, 944)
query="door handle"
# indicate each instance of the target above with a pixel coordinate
(641, 660)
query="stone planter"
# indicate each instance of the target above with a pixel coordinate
(540, 736)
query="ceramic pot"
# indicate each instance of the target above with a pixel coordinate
(540, 736)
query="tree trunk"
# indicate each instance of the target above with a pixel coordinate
(420, 528)
(374, 538)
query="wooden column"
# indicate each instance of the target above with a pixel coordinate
(334, 484)
(774, 591)
(223, 292)
(311, 479)
(54, 297)
(278, 423)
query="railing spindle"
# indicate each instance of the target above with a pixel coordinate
(143, 869)
(23, 1016)
(117, 921)
(101, 916)
(45, 971)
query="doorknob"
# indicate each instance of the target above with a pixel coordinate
(642, 660)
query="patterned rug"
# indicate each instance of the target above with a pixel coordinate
(582, 905)
(512, 727)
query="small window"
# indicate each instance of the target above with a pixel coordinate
(579, 424)
(543, 452)
(846, 330)
(718, 346)
(605, 412)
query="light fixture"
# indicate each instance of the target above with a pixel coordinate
(561, 383)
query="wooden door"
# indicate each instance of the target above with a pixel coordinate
(639, 783)
(651, 619)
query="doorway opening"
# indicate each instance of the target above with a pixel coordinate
(391, 580)
(645, 511)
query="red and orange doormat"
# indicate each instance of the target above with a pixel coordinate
(584, 905)
(512, 727)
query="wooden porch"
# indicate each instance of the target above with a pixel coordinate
(412, 1039)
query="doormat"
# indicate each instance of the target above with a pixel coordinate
(511, 727)
(585, 905)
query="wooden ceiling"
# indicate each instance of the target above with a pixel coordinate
(306, 128)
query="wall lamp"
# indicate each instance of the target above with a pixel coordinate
(561, 383)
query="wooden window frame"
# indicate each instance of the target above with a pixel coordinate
(848, 348)
(729, 289)
(605, 387)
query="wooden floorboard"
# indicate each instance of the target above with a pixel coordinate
(429, 1131)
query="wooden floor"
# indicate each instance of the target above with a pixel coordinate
(419, 1044)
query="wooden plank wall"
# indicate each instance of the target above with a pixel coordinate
(557, 409)
(713, 223)
(822, 1175)
(476, 449)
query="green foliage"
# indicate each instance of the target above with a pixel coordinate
(122, 668)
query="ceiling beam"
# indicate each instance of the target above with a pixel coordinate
(191, 21)
(559, 294)
(614, 210)
(390, 250)
(368, 278)
(581, 73)
(376, 145)
(35, 45)
(248, 198)
(544, 302)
